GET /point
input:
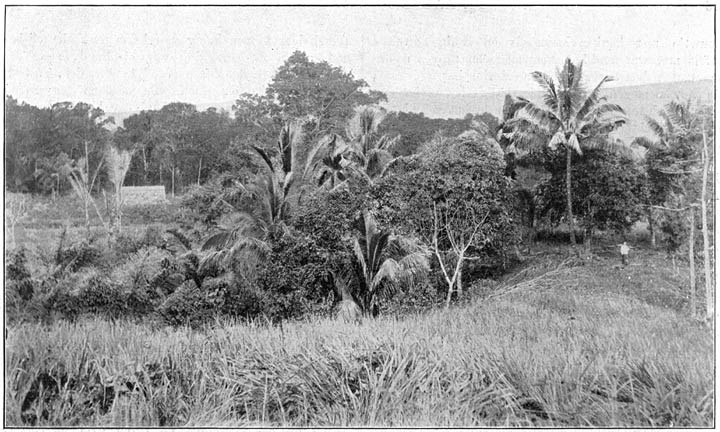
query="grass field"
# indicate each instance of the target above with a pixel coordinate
(562, 341)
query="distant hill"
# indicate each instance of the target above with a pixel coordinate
(638, 101)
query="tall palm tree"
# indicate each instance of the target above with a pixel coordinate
(328, 162)
(271, 193)
(672, 155)
(367, 149)
(383, 260)
(572, 118)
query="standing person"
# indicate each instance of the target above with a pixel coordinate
(624, 250)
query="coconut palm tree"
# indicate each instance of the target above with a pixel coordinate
(382, 260)
(271, 193)
(572, 118)
(327, 162)
(679, 122)
(367, 149)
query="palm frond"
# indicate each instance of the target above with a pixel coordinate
(264, 155)
(669, 125)
(290, 138)
(182, 238)
(550, 97)
(648, 143)
(540, 117)
(608, 110)
(389, 271)
(377, 160)
(655, 127)
(574, 144)
(558, 138)
(592, 99)
(342, 283)
(360, 257)
(217, 241)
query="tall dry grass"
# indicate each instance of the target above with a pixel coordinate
(557, 356)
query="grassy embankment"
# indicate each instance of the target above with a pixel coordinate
(582, 344)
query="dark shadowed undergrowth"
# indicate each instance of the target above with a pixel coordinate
(557, 352)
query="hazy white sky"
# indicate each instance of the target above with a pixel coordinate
(129, 58)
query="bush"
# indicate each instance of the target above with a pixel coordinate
(170, 276)
(187, 306)
(103, 297)
(126, 244)
(60, 301)
(18, 276)
(140, 268)
(79, 255)
(295, 277)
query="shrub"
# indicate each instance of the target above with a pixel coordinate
(61, 302)
(187, 306)
(18, 276)
(170, 276)
(79, 255)
(295, 276)
(238, 299)
(126, 244)
(103, 297)
(140, 268)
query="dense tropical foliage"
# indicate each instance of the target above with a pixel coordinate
(312, 194)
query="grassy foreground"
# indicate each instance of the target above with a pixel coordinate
(568, 346)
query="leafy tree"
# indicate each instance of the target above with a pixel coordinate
(572, 118)
(411, 130)
(609, 190)
(27, 128)
(323, 94)
(37, 138)
(191, 145)
(463, 173)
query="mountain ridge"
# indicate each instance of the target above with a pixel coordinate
(638, 101)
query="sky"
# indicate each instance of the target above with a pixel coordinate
(132, 58)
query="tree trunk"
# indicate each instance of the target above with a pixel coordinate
(199, 170)
(568, 192)
(172, 181)
(449, 296)
(459, 283)
(144, 156)
(709, 310)
(691, 256)
(651, 228)
(87, 213)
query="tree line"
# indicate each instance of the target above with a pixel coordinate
(316, 141)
